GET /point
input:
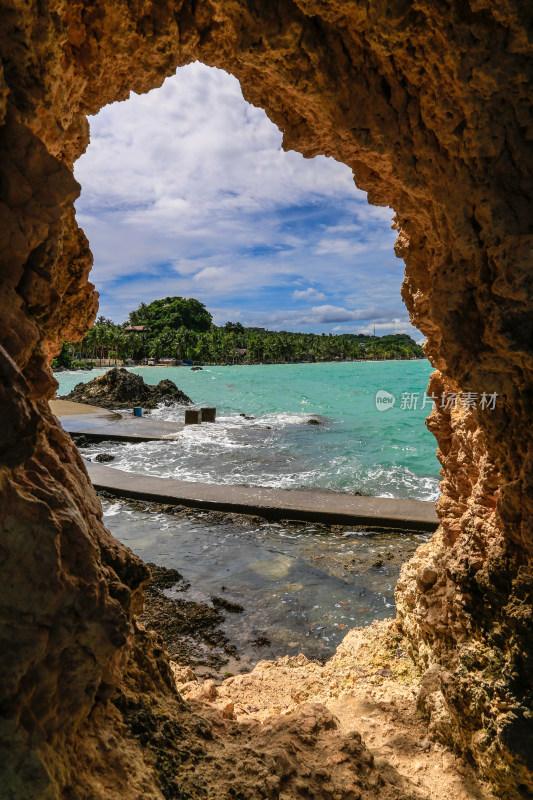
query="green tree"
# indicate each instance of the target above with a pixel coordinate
(64, 359)
(173, 313)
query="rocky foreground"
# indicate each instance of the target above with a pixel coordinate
(356, 727)
(352, 728)
(119, 388)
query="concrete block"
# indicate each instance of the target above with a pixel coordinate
(208, 414)
(193, 416)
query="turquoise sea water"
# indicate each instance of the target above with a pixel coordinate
(355, 448)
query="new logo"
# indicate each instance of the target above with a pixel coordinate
(384, 400)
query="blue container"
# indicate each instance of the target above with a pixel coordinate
(137, 411)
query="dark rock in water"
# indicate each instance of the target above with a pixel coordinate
(102, 458)
(169, 393)
(261, 641)
(190, 630)
(165, 578)
(119, 388)
(227, 605)
(195, 369)
(313, 421)
(173, 618)
(246, 416)
(80, 440)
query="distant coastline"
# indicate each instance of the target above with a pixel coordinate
(178, 331)
(89, 366)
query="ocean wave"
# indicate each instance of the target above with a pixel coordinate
(207, 456)
(111, 510)
(280, 419)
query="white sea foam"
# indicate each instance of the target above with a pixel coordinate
(113, 509)
(212, 454)
(279, 419)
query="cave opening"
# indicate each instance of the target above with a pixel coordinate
(186, 190)
(430, 112)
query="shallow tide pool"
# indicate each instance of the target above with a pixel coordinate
(302, 586)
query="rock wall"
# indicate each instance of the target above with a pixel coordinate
(429, 103)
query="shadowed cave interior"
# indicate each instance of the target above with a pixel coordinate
(429, 105)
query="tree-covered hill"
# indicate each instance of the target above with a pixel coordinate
(173, 313)
(180, 328)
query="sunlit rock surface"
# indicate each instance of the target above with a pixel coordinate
(430, 104)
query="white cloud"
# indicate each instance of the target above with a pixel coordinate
(391, 326)
(328, 313)
(348, 228)
(186, 190)
(317, 315)
(338, 246)
(212, 276)
(308, 294)
(194, 146)
(385, 326)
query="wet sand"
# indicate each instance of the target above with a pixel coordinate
(67, 408)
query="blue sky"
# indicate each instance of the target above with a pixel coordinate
(186, 191)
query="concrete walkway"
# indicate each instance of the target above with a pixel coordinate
(103, 425)
(314, 506)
